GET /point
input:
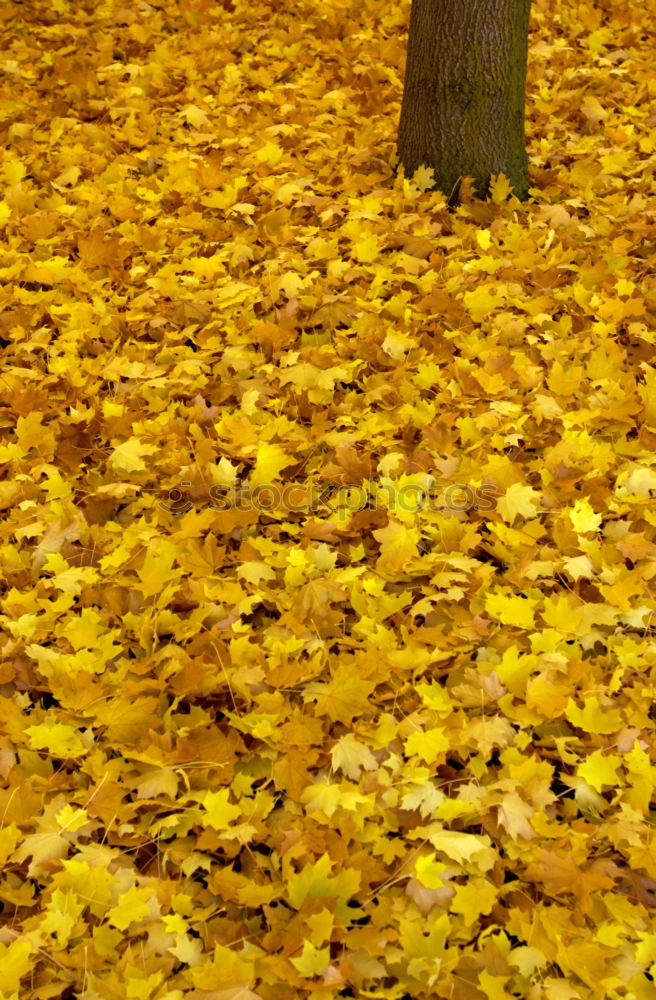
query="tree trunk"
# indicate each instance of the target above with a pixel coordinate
(463, 103)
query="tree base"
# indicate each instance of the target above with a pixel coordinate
(463, 103)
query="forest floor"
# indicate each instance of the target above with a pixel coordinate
(329, 516)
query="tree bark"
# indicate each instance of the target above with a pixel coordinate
(463, 102)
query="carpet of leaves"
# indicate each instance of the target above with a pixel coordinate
(315, 747)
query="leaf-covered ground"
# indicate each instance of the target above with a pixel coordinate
(388, 733)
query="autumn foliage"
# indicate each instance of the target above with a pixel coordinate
(322, 742)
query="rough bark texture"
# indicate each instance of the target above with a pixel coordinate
(463, 104)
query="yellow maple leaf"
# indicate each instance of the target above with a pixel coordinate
(482, 301)
(352, 757)
(579, 567)
(94, 883)
(494, 986)
(196, 117)
(424, 178)
(512, 610)
(271, 460)
(429, 871)
(314, 881)
(366, 248)
(515, 815)
(9, 837)
(640, 482)
(156, 570)
(15, 961)
(290, 283)
(519, 500)
(187, 949)
(583, 517)
(313, 962)
(62, 913)
(59, 739)
(132, 906)
(593, 110)
(397, 344)
(30, 431)
(474, 899)
(71, 819)
(270, 153)
(322, 797)
(219, 811)
(427, 745)
(398, 545)
(462, 847)
(592, 718)
(321, 926)
(500, 188)
(599, 770)
(436, 698)
(234, 293)
(484, 238)
(344, 697)
(129, 455)
(527, 960)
